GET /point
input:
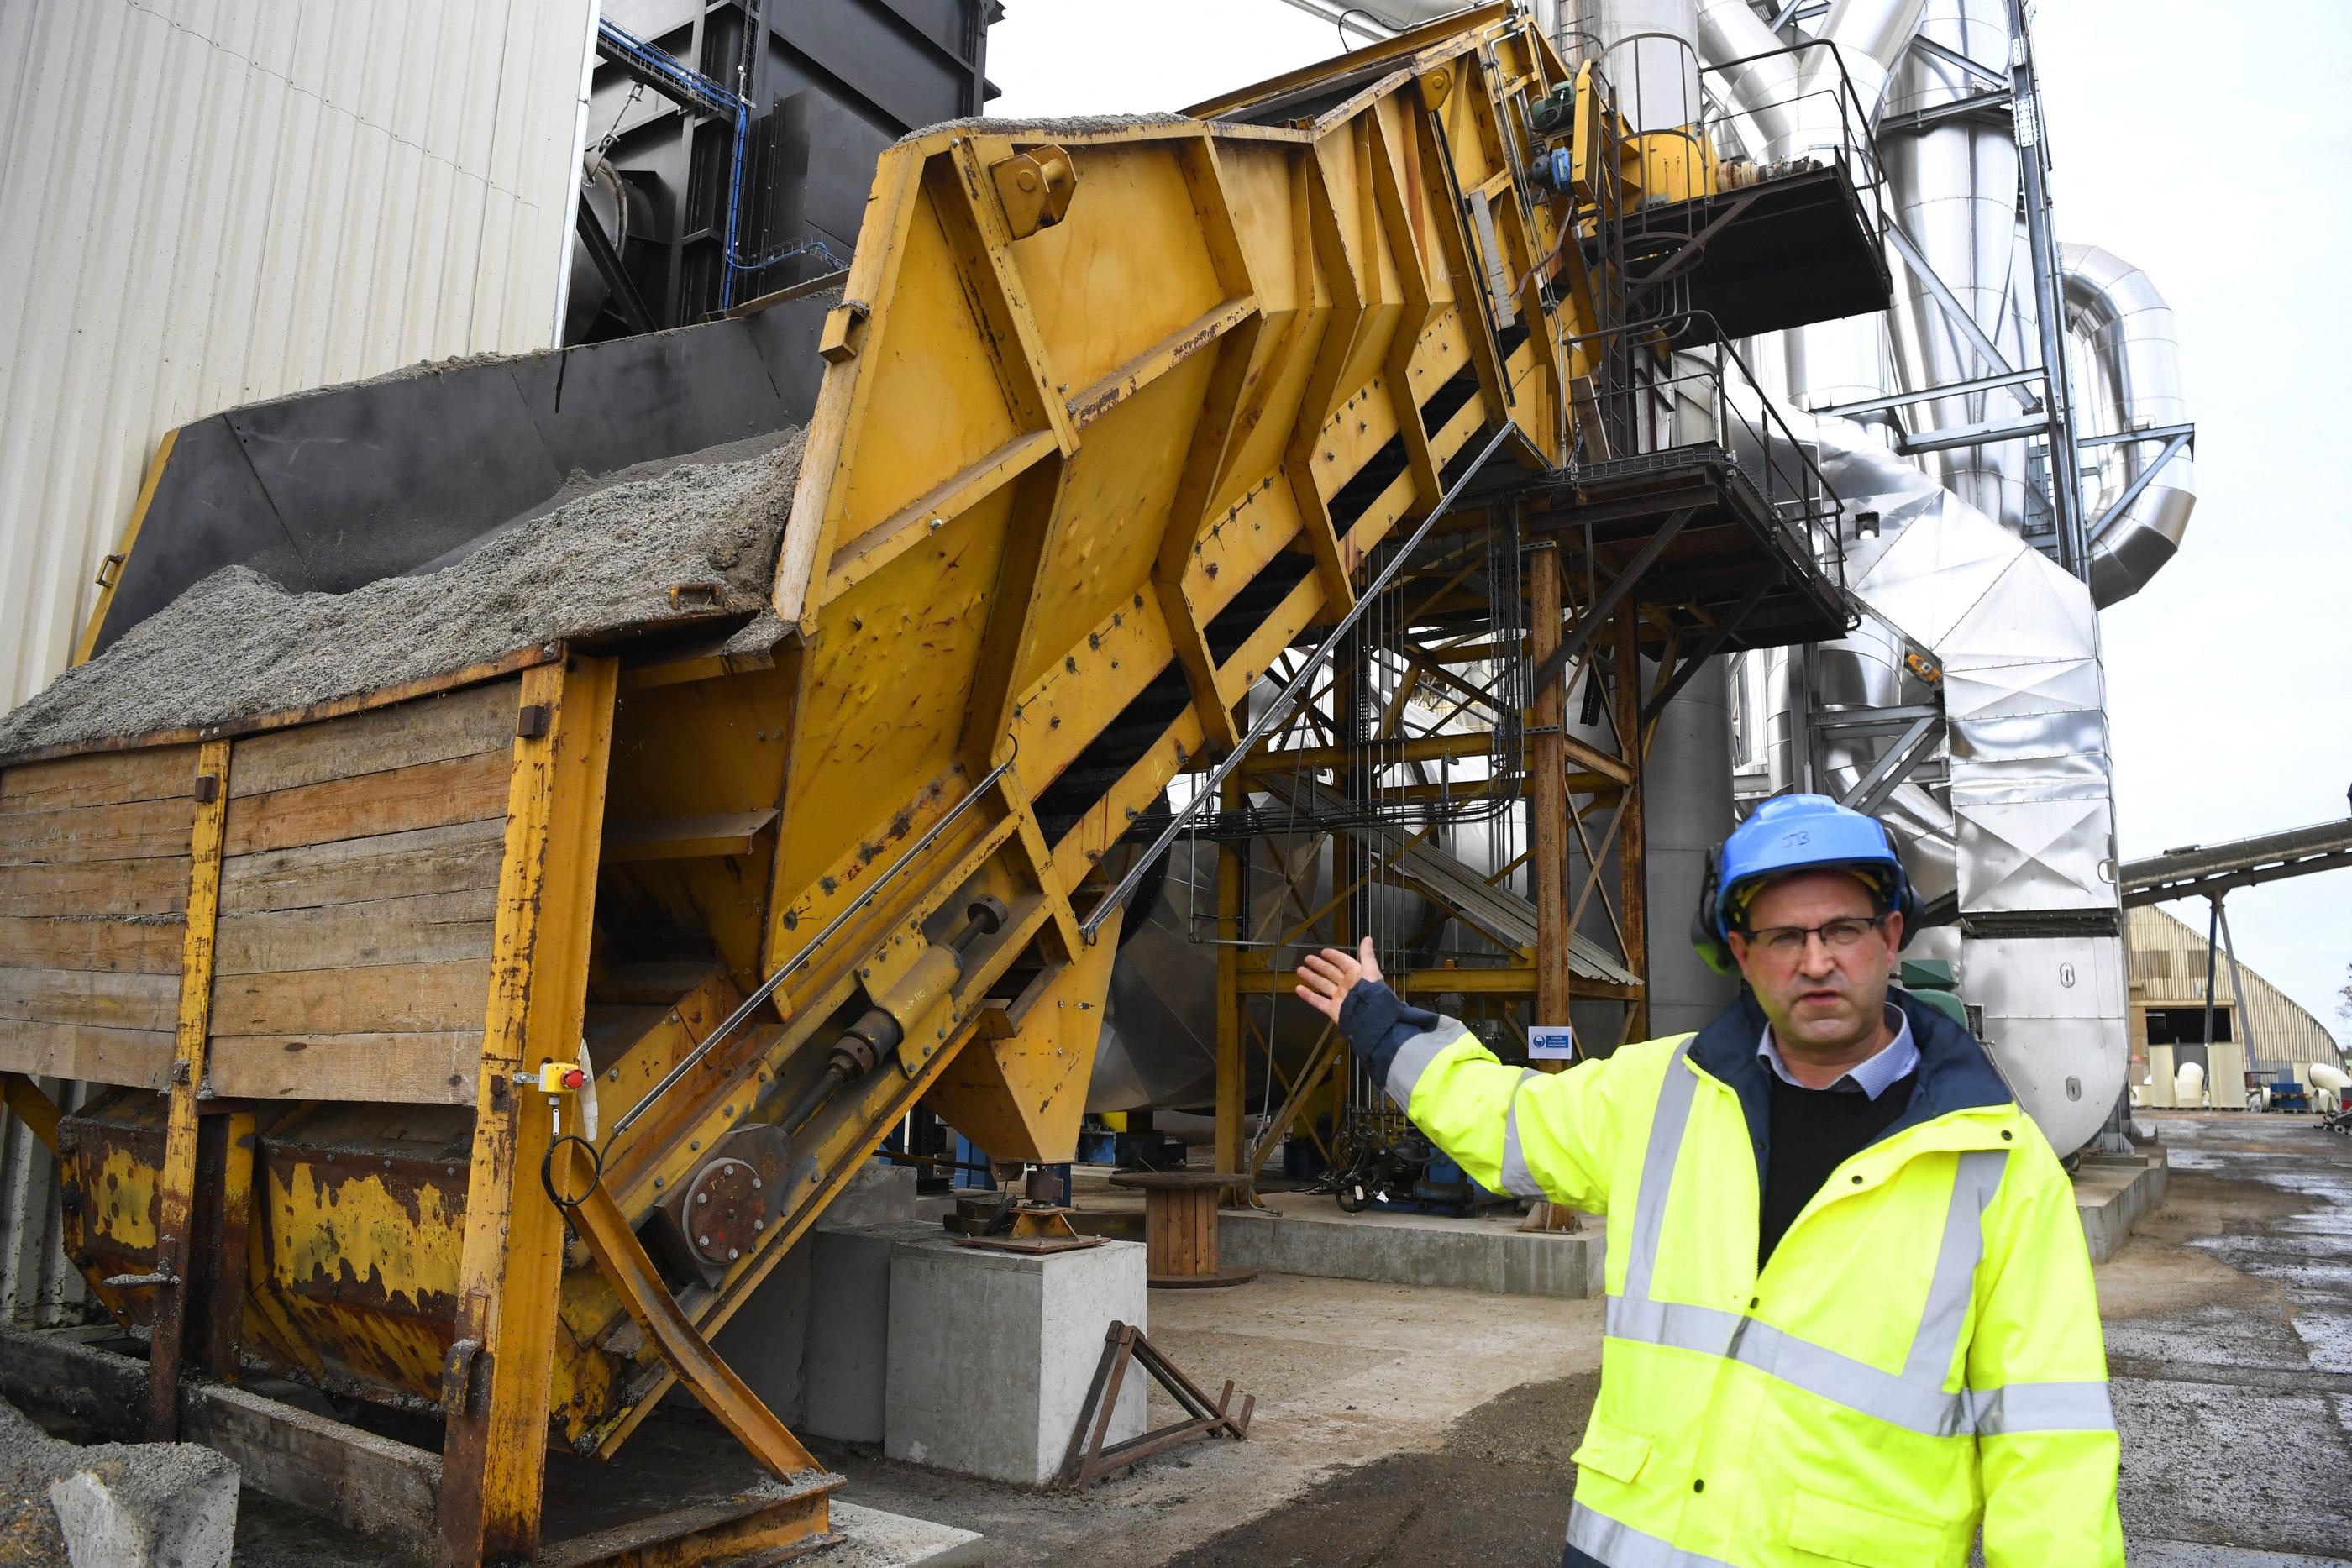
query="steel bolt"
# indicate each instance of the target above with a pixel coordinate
(732, 1254)
(695, 1144)
(702, 1242)
(755, 1184)
(657, 1182)
(702, 1197)
(759, 1225)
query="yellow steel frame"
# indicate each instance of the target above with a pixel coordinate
(494, 1385)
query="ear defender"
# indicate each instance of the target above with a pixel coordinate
(1706, 933)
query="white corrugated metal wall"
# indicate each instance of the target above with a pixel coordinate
(205, 202)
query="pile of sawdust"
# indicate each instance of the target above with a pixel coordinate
(237, 645)
(1063, 125)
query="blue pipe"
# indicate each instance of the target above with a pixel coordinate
(698, 91)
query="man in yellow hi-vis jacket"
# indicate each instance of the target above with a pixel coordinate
(1849, 1314)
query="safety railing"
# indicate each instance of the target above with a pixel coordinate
(1785, 109)
(1708, 396)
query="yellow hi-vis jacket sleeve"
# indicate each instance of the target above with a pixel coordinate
(2046, 1445)
(1532, 1134)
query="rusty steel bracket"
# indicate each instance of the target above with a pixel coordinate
(1088, 1461)
(605, 1230)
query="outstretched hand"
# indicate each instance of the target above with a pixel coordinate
(1327, 978)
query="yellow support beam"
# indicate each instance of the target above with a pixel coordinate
(176, 1183)
(496, 1381)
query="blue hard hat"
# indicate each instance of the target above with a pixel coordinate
(1791, 834)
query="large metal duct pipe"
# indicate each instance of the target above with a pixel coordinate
(1686, 811)
(2026, 822)
(1954, 189)
(1871, 36)
(1649, 51)
(1847, 361)
(2134, 358)
(1760, 81)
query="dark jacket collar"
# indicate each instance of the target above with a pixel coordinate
(1955, 1073)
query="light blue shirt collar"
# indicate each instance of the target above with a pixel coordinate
(1895, 1060)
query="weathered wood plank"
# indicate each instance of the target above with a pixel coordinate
(160, 773)
(383, 1488)
(430, 928)
(431, 730)
(432, 1068)
(462, 790)
(402, 998)
(158, 886)
(141, 1058)
(135, 829)
(146, 944)
(451, 859)
(108, 998)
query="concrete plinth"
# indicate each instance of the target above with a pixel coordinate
(1298, 1234)
(991, 1353)
(809, 1341)
(2113, 1193)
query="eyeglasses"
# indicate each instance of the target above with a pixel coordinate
(1787, 943)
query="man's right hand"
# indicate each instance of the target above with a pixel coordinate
(1327, 978)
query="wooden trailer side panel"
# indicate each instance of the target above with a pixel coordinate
(94, 869)
(359, 899)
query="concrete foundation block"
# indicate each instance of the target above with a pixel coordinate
(1405, 1250)
(2113, 1193)
(766, 1342)
(850, 1329)
(991, 1354)
(801, 1342)
(173, 1505)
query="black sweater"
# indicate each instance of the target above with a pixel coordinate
(1814, 1131)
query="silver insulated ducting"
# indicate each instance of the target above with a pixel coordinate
(2132, 354)
(2008, 828)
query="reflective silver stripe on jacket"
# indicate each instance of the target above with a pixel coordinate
(1621, 1546)
(1518, 1180)
(2042, 1407)
(1915, 1398)
(1658, 1169)
(1413, 1060)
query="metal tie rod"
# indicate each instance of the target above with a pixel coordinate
(1278, 709)
(734, 1020)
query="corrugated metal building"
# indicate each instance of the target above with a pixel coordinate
(203, 202)
(2167, 959)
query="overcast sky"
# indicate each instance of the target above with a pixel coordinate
(2201, 152)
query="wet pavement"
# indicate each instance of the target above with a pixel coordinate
(2230, 1347)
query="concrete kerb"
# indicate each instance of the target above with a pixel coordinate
(1488, 1254)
